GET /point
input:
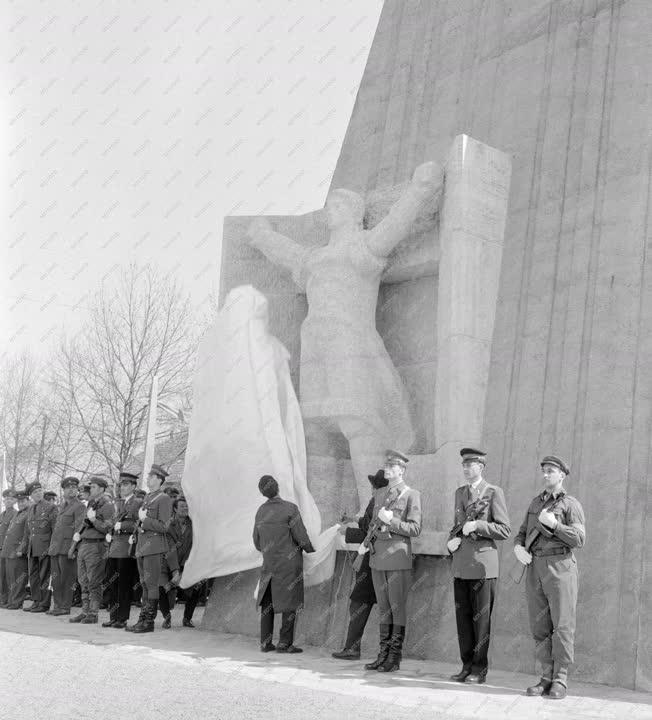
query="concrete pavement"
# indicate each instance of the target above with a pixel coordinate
(52, 669)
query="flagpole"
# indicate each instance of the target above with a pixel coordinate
(150, 436)
(3, 481)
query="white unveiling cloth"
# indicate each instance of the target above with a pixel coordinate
(245, 423)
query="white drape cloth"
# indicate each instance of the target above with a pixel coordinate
(245, 423)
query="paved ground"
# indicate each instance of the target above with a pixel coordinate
(50, 669)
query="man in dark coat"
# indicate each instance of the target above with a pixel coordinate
(363, 597)
(280, 535)
(122, 569)
(14, 553)
(180, 541)
(41, 518)
(9, 500)
(64, 569)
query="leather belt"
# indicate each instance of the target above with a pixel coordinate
(551, 551)
(93, 539)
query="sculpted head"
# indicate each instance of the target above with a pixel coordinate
(344, 208)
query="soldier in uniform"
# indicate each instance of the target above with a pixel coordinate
(472, 542)
(64, 569)
(9, 500)
(50, 497)
(398, 510)
(151, 545)
(362, 597)
(14, 552)
(553, 526)
(121, 566)
(41, 518)
(89, 542)
(280, 535)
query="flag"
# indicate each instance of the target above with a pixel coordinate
(150, 437)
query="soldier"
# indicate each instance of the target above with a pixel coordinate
(89, 542)
(50, 497)
(553, 526)
(121, 566)
(180, 540)
(41, 518)
(280, 535)
(480, 520)
(9, 500)
(362, 597)
(151, 545)
(397, 508)
(14, 552)
(64, 569)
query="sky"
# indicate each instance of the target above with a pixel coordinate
(130, 129)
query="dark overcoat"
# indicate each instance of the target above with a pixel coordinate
(280, 535)
(70, 517)
(126, 512)
(363, 587)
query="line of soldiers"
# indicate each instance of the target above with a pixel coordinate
(553, 527)
(139, 541)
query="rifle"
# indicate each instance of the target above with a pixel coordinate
(529, 542)
(372, 533)
(473, 512)
(93, 505)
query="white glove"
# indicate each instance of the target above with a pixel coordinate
(76, 537)
(131, 539)
(453, 544)
(117, 526)
(142, 513)
(362, 549)
(385, 515)
(90, 514)
(108, 537)
(469, 527)
(522, 555)
(548, 519)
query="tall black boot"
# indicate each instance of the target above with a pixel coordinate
(140, 622)
(395, 654)
(385, 637)
(150, 608)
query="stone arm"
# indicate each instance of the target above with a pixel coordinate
(299, 532)
(496, 528)
(394, 227)
(277, 248)
(411, 525)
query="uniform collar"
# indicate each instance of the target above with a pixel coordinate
(545, 495)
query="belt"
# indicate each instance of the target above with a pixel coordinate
(92, 539)
(551, 551)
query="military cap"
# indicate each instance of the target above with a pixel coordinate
(85, 488)
(557, 462)
(9, 493)
(99, 481)
(128, 477)
(70, 481)
(29, 489)
(159, 471)
(49, 494)
(171, 490)
(395, 457)
(471, 454)
(140, 493)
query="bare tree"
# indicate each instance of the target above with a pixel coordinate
(140, 327)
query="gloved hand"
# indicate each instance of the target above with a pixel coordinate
(385, 515)
(108, 537)
(453, 544)
(548, 519)
(522, 555)
(117, 526)
(131, 539)
(469, 527)
(76, 537)
(90, 514)
(142, 513)
(362, 549)
(71, 554)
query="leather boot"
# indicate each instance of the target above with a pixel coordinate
(93, 610)
(395, 654)
(167, 622)
(385, 637)
(150, 609)
(84, 612)
(141, 620)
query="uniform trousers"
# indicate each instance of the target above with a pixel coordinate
(286, 636)
(474, 601)
(91, 559)
(17, 579)
(392, 588)
(122, 575)
(551, 589)
(64, 577)
(39, 580)
(4, 582)
(149, 571)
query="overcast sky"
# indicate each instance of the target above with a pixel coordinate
(131, 128)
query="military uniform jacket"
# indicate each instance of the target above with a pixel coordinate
(41, 518)
(152, 536)
(5, 520)
(363, 588)
(477, 557)
(392, 549)
(127, 515)
(16, 537)
(71, 515)
(98, 528)
(570, 531)
(280, 535)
